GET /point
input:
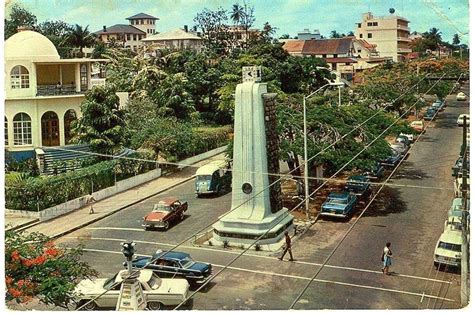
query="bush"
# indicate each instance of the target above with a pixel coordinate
(43, 192)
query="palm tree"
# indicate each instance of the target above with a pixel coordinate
(80, 37)
(237, 13)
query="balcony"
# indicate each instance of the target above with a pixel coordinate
(403, 50)
(403, 27)
(346, 69)
(403, 39)
(51, 90)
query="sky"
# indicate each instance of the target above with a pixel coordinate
(288, 16)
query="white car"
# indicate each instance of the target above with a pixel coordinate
(461, 96)
(410, 136)
(458, 186)
(158, 292)
(453, 223)
(448, 249)
(418, 125)
(461, 119)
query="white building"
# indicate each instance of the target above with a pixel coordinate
(43, 93)
(389, 33)
(175, 39)
(307, 35)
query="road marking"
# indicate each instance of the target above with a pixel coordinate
(300, 278)
(258, 256)
(114, 228)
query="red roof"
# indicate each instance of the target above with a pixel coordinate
(294, 46)
(333, 46)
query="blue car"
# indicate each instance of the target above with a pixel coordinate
(430, 114)
(357, 185)
(392, 160)
(339, 204)
(174, 264)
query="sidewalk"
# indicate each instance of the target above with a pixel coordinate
(79, 218)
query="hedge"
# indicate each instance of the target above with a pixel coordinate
(38, 193)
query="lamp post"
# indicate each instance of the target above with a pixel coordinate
(305, 140)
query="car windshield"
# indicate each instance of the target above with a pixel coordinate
(187, 262)
(338, 201)
(450, 246)
(154, 282)
(161, 207)
(455, 225)
(204, 177)
(109, 283)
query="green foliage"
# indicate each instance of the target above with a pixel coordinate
(28, 166)
(18, 16)
(35, 193)
(35, 267)
(80, 37)
(102, 124)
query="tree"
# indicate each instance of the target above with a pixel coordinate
(102, 124)
(80, 37)
(237, 13)
(214, 28)
(35, 267)
(335, 34)
(285, 36)
(57, 32)
(19, 16)
(350, 33)
(244, 17)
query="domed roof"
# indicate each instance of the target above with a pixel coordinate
(29, 45)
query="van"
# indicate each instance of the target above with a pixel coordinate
(212, 178)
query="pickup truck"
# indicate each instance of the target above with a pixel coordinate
(339, 204)
(357, 185)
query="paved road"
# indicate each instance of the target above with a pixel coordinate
(411, 218)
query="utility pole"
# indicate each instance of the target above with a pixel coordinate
(131, 296)
(305, 143)
(465, 224)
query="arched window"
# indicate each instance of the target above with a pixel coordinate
(20, 78)
(22, 129)
(6, 131)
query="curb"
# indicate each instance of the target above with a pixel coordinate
(121, 208)
(23, 226)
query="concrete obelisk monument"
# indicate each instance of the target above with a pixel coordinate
(257, 208)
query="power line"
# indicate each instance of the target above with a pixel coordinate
(360, 216)
(278, 180)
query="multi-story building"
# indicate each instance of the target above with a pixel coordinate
(43, 93)
(129, 35)
(307, 35)
(175, 39)
(389, 33)
(240, 36)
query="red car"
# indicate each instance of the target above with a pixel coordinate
(164, 212)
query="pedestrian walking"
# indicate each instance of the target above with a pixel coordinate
(387, 258)
(287, 247)
(91, 201)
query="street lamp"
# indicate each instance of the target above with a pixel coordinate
(305, 136)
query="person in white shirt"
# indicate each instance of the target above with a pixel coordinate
(387, 258)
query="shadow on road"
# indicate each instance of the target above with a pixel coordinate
(408, 171)
(387, 202)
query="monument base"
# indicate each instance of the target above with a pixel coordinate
(236, 232)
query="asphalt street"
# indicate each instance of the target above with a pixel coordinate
(411, 218)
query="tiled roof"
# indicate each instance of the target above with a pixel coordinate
(366, 44)
(121, 28)
(338, 46)
(340, 60)
(294, 46)
(172, 35)
(142, 16)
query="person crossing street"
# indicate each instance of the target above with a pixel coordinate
(287, 247)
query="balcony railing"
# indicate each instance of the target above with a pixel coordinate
(50, 90)
(404, 39)
(403, 27)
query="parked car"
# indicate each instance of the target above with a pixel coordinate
(392, 160)
(456, 207)
(339, 204)
(461, 96)
(174, 264)
(458, 187)
(409, 136)
(212, 178)
(418, 125)
(430, 114)
(457, 168)
(168, 210)
(438, 106)
(448, 249)
(375, 172)
(158, 292)
(461, 120)
(403, 139)
(357, 185)
(400, 148)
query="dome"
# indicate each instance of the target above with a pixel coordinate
(29, 45)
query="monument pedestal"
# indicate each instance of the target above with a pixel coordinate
(257, 207)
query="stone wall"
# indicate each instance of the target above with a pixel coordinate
(269, 103)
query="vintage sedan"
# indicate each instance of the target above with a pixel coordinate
(339, 204)
(448, 249)
(357, 185)
(430, 114)
(461, 96)
(104, 293)
(418, 125)
(375, 172)
(175, 264)
(164, 213)
(392, 160)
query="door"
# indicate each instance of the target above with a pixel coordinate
(50, 129)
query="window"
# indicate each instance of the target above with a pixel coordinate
(84, 81)
(20, 78)
(360, 36)
(324, 55)
(6, 131)
(376, 23)
(369, 35)
(22, 129)
(134, 36)
(129, 37)
(359, 50)
(369, 23)
(359, 25)
(334, 56)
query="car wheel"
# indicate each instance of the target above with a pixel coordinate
(88, 305)
(155, 306)
(167, 225)
(181, 216)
